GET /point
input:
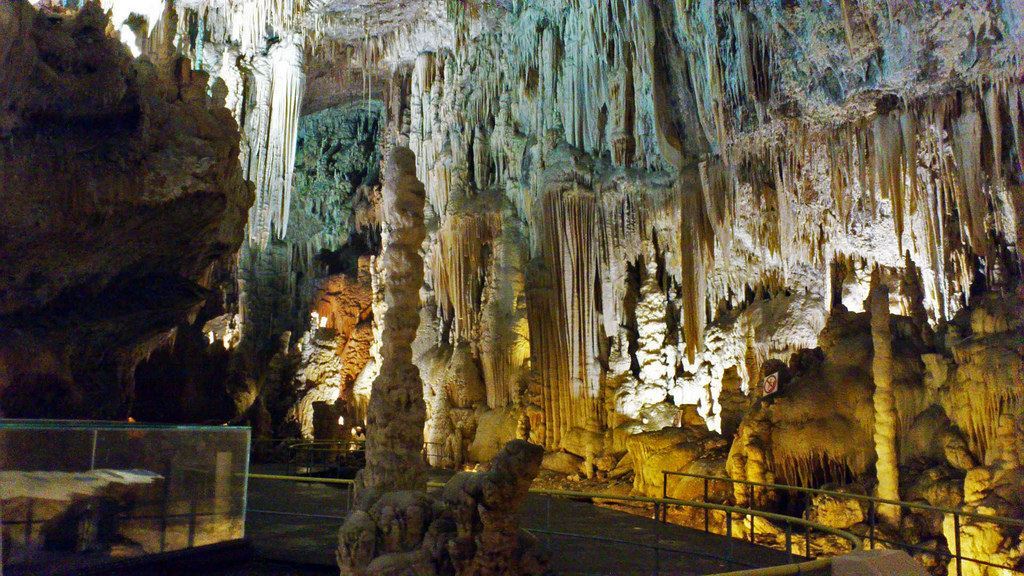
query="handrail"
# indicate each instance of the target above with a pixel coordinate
(854, 540)
(304, 479)
(784, 570)
(788, 569)
(853, 496)
(955, 550)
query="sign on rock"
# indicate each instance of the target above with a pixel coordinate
(771, 384)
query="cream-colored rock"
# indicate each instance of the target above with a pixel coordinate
(494, 429)
(396, 413)
(563, 463)
(886, 459)
(690, 450)
(837, 512)
(470, 528)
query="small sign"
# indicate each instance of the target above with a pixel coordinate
(771, 384)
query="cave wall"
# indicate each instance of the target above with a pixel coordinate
(122, 196)
(664, 193)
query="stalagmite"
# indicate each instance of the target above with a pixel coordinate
(396, 413)
(886, 424)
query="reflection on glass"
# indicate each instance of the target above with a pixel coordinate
(82, 493)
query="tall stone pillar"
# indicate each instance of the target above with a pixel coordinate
(396, 414)
(887, 463)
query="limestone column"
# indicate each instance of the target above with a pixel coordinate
(396, 414)
(887, 462)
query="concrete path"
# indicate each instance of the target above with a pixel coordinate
(622, 544)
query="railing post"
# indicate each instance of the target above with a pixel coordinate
(164, 506)
(92, 457)
(193, 505)
(657, 561)
(789, 541)
(871, 524)
(664, 495)
(728, 532)
(750, 503)
(707, 511)
(28, 522)
(956, 538)
(807, 542)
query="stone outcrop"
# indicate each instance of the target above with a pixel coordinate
(121, 193)
(469, 528)
(691, 450)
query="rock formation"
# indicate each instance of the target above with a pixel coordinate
(470, 528)
(633, 212)
(122, 194)
(396, 412)
(886, 457)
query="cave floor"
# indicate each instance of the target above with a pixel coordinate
(279, 535)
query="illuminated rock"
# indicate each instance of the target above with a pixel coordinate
(396, 412)
(470, 528)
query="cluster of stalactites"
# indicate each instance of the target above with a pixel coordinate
(928, 181)
(458, 261)
(938, 167)
(262, 67)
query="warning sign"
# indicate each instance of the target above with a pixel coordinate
(771, 384)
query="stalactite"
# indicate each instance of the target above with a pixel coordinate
(273, 193)
(766, 186)
(459, 269)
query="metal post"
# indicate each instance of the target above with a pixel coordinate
(956, 538)
(807, 542)
(871, 524)
(664, 495)
(789, 541)
(750, 503)
(92, 458)
(707, 512)
(28, 522)
(657, 561)
(164, 507)
(192, 517)
(728, 533)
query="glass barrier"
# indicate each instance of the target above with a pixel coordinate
(77, 494)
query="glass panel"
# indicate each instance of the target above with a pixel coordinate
(82, 493)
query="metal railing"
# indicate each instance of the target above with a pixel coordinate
(305, 456)
(873, 503)
(794, 527)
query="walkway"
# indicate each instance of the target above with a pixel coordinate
(312, 538)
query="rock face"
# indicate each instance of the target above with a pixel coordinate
(470, 529)
(396, 413)
(819, 427)
(121, 192)
(693, 450)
